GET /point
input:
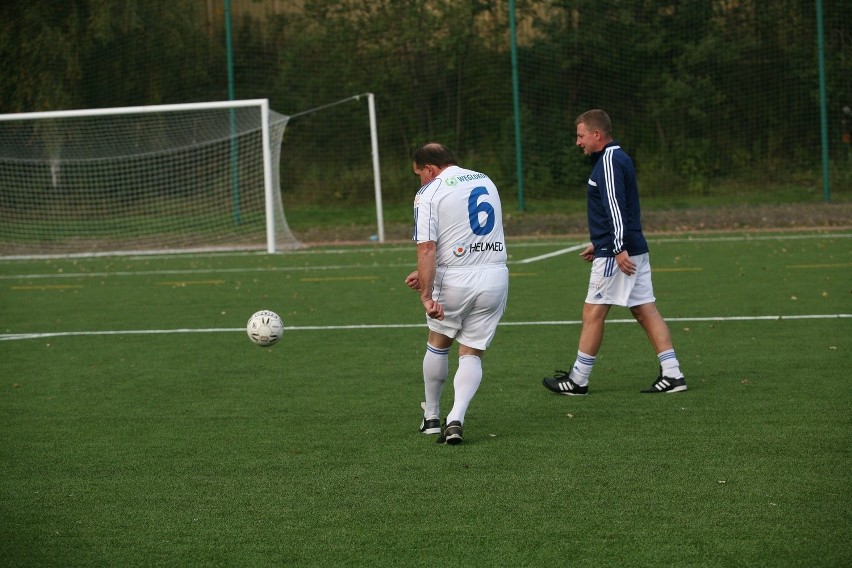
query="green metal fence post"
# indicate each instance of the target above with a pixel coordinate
(517, 106)
(235, 172)
(823, 106)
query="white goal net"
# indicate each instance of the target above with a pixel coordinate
(201, 176)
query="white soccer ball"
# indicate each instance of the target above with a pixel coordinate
(265, 328)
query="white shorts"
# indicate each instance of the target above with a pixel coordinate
(474, 300)
(609, 285)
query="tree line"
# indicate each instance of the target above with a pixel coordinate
(700, 92)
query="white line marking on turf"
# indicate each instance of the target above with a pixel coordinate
(204, 271)
(249, 270)
(18, 336)
(376, 250)
(550, 254)
(693, 240)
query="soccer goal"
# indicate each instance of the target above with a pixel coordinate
(185, 177)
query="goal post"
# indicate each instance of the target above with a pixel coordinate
(302, 142)
(377, 178)
(182, 177)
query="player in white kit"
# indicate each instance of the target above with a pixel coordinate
(461, 276)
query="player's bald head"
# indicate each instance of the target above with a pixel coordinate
(435, 154)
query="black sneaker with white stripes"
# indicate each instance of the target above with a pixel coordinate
(452, 434)
(561, 383)
(666, 385)
(430, 426)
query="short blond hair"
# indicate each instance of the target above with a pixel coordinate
(596, 119)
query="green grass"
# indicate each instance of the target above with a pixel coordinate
(205, 228)
(303, 216)
(200, 449)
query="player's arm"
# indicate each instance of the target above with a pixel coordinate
(426, 268)
(614, 196)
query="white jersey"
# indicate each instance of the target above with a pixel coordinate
(460, 210)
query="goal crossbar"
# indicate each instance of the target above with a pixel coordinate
(134, 109)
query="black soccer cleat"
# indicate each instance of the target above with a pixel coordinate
(430, 426)
(561, 383)
(452, 434)
(666, 385)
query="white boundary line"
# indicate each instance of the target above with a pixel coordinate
(203, 271)
(516, 242)
(375, 250)
(550, 254)
(362, 266)
(20, 336)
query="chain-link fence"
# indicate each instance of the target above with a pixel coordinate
(706, 95)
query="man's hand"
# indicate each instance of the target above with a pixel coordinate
(424, 278)
(413, 281)
(625, 264)
(588, 253)
(433, 309)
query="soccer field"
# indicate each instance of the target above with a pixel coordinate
(139, 426)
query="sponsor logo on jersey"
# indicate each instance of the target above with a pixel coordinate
(485, 247)
(467, 177)
(459, 249)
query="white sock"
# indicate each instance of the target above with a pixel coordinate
(582, 368)
(670, 365)
(435, 370)
(467, 379)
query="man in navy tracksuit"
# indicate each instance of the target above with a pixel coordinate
(621, 269)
